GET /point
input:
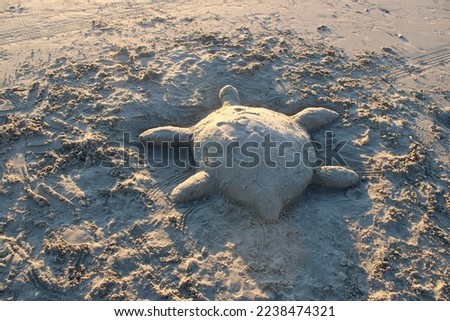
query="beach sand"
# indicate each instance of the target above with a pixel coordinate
(82, 219)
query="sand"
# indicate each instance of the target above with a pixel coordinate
(82, 219)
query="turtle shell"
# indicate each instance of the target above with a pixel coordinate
(255, 155)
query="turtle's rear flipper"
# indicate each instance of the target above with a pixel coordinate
(175, 136)
(314, 118)
(194, 187)
(334, 176)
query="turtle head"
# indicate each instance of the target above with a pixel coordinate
(229, 96)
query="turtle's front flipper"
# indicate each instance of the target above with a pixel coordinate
(334, 176)
(194, 187)
(314, 118)
(176, 136)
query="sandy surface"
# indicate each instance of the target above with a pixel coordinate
(74, 77)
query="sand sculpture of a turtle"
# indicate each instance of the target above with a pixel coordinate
(253, 155)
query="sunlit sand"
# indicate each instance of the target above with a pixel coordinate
(82, 218)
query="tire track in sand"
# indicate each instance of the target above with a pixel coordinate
(44, 29)
(435, 57)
